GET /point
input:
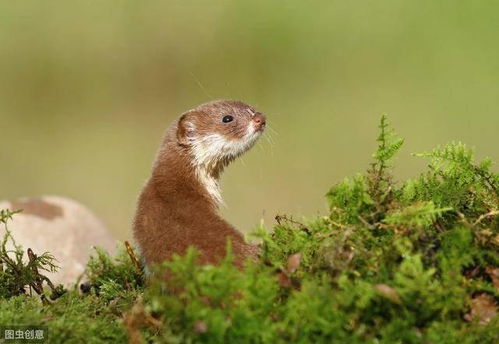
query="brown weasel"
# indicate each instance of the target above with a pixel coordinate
(179, 203)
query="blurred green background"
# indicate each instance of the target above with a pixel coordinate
(87, 89)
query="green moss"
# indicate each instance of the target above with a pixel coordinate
(389, 263)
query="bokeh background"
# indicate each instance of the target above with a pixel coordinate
(87, 89)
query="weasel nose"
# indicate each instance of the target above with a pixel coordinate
(259, 120)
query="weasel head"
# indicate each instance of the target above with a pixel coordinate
(215, 134)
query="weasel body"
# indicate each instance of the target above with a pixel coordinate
(178, 205)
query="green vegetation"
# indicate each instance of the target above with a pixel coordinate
(416, 262)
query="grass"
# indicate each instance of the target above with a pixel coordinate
(408, 262)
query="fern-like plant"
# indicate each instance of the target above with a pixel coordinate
(18, 276)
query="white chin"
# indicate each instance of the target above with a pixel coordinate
(251, 138)
(214, 147)
(237, 148)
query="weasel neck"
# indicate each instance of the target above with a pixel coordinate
(210, 180)
(175, 173)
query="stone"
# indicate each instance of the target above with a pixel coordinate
(61, 226)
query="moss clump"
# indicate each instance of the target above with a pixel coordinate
(92, 315)
(415, 262)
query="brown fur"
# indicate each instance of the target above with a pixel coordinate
(175, 210)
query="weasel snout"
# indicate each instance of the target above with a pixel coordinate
(260, 121)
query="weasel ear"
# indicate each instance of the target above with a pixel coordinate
(185, 130)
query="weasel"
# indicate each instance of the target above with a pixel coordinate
(178, 206)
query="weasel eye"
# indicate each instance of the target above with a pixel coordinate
(227, 119)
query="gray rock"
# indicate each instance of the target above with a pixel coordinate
(61, 226)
